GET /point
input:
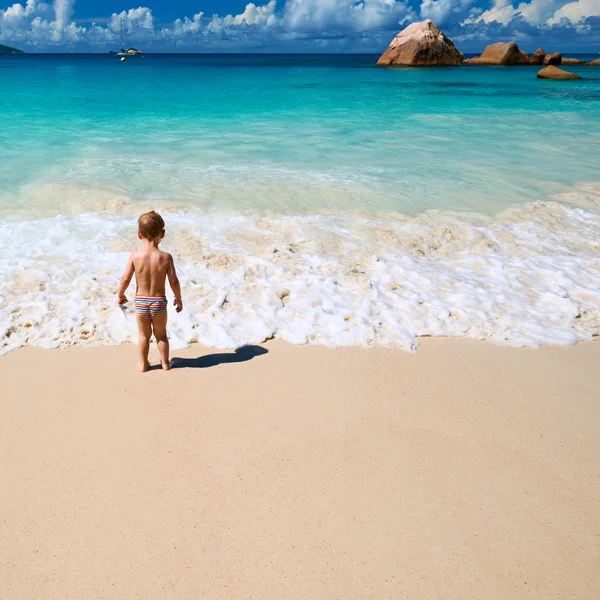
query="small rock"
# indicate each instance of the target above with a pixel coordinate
(501, 53)
(553, 59)
(594, 63)
(552, 72)
(537, 58)
(572, 61)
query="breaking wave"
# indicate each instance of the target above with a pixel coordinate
(526, 277)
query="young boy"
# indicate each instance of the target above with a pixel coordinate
(151, 267)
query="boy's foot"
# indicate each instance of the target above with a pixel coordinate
(166, 366)
(143, 367)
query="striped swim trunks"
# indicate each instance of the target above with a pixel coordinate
(148, 307)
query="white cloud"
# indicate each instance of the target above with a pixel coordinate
(576, 12)
(186, 25)
(37, 22)
(136, 21)
(320, 23)
(344, 15)
(501, 12)
(258, 17)
(254, 15)
(63, 10)
(537, 12)
(200, 27)
(440, 10)
(18, 11)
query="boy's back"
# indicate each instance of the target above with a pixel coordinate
(151, 267)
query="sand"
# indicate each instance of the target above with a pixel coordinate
(466, 470)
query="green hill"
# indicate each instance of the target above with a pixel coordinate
(9, 50)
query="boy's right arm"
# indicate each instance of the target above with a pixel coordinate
(125, 281)
(174, 283)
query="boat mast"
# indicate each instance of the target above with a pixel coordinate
(121, 34)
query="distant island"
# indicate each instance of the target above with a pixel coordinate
(9, 50)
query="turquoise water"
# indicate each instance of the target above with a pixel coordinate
(299, 133)
(315, 199)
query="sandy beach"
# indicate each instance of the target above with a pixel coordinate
(466, 470)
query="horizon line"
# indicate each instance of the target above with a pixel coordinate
(244, 53)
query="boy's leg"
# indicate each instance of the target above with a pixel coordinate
(159, 326)
(145, 333)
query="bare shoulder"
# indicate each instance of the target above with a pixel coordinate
(136, 255)
(166, 256)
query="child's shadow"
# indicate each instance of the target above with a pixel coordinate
(212, 360)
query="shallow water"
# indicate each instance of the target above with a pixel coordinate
(312, 198)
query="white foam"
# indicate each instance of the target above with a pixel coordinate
(530, 276)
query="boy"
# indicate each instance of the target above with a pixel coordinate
(151, 267)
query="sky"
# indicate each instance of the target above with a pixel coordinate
(294, 25)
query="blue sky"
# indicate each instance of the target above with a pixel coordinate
(294, 25)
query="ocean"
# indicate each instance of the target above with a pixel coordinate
(311, 198)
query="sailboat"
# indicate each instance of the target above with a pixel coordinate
(129, 51)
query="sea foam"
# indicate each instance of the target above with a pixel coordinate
(526, 277)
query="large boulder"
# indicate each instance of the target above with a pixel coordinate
(501, 54)
(594, 63)
(421, 45)
(553, 59)
(572, 61)
(553, 72)
(537, 58)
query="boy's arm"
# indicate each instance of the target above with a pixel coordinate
(174, 283)
(125, 281)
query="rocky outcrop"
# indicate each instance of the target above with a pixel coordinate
(537, 58)
(500, 54)
(572, 61)
(421, 45)
(540, 56)
(553, 59)
(594, 63)
(553, 72)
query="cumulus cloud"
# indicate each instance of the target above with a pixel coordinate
(137, 22)
(501, 12)
(254, 15)
(18, 11)
(576, 12)
(538, 12)
(63, 10)
(441, 10)
(186, 26)
(298, 24)
(318, 16)
(37, 22)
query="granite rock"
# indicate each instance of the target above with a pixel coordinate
(553, 59)
(501, 53)
(552, 72)
(421, 45)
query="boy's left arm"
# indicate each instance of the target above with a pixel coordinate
(125, 281)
